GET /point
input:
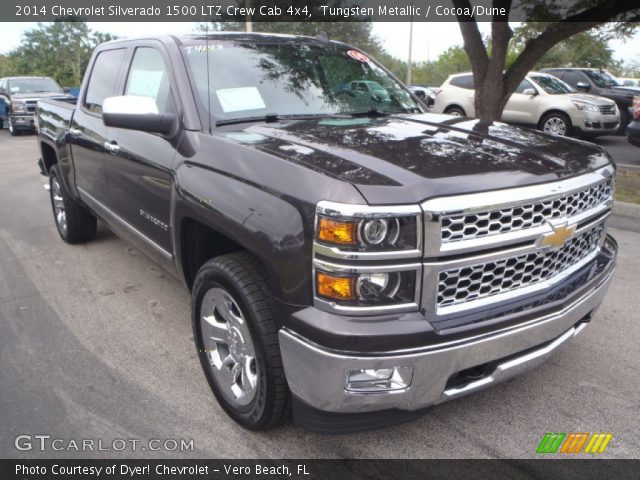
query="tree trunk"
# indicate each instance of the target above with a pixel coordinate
(490, 100)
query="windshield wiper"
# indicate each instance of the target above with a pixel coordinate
(375, 112)
(372, 112)
(273, 117)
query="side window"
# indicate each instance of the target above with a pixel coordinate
(572, 77)
(524, 84)
(104, 75)
(149, 77)
(464, 81)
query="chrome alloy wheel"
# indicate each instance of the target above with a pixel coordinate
(228, 346)
(555, 126)
(59, 211)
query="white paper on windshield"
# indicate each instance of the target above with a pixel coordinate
(238, 99)
(145, 83)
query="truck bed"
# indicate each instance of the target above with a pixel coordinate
(54, 116)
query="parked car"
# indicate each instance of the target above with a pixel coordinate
(629, 82)
(425, 94)
(351, 261)
(602, 83)
(19, 96)
(540, 101)
(633, 130)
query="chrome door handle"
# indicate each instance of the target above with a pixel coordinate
(111, 147)
(75, 132)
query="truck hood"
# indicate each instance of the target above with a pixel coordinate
(410, 158)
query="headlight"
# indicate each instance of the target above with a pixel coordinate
(588, 107)
(357, 251)
(370, 231)
(18, 107)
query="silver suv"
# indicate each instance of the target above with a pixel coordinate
(542, 101)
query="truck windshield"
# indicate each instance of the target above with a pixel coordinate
(602, 79)
(243, 80)
(33, 85)
(552, 85)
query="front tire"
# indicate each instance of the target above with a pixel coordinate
(74, 222)
(556, 123)
(237, 341)
(12, 130)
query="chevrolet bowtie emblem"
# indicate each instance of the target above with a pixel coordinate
(561, 233)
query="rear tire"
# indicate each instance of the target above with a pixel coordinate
(455, 111)
(556, 123)
(237, 341)
(74, 222)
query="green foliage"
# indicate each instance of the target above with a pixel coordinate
(586, 49)
(60, 50)
(6, 66)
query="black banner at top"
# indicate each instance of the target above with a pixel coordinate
(314, 10)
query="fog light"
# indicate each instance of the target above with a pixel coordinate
(379, 380)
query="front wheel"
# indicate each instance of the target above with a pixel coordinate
(12, 129)
(237, 340)
(556, 123)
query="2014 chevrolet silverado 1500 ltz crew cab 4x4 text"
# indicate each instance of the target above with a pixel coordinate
(349, 256)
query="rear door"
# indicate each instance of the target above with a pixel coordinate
(87, 132)
(140, 163)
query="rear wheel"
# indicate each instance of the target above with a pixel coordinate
(455, 111)
(74, 222)
(237, 340)
(556, 123)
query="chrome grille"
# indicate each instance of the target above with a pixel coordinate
(482, 280)
(607, 109)
(492, 222)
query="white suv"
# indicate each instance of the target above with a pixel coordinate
(541, 100)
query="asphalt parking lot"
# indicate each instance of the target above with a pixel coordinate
(96, 343)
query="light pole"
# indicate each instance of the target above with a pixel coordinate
(410, 47)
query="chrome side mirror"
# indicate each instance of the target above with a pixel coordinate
(135, 112)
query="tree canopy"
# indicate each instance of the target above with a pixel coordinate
(60, 50)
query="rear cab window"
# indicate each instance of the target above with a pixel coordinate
(103, 80)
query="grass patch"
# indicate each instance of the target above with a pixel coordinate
(628, 187)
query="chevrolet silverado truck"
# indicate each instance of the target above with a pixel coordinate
(18, 99)
(351, 259)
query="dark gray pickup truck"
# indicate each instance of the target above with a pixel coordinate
(18, 99)
(350, 257)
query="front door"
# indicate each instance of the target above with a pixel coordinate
(140, 163)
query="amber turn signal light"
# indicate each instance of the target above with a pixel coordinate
(338, 288)
(337, 231)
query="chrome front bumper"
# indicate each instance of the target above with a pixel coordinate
(318, 376)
